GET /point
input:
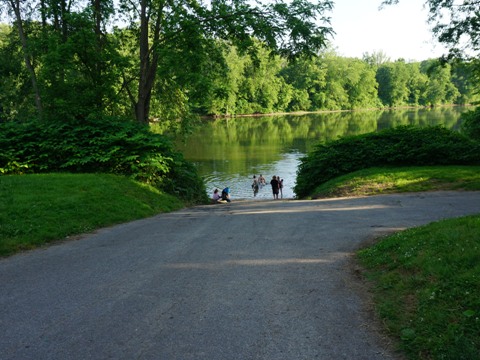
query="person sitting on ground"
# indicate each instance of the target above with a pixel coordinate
(216, 196)
(226, 194)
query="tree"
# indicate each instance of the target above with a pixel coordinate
(456, 24)
(376, 58)
(392, 81)
(361, 85)
(68, 54)
(439, 88)
(417, 83)
(15, 7)
(288, 29)
(464, 80)
(74, 64)
(262, 90)
(307, 77)
(15, 87)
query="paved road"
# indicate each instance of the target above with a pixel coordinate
(248, 280)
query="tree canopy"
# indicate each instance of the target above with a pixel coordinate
(455, 23)
(77, 48)
(155, 60)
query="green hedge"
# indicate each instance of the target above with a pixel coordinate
(401, 146)
(99, 145)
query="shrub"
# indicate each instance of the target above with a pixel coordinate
(98, 145)
(471, 124)
(401, 146)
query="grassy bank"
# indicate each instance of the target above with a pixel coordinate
(425, 280)
(426, 285)
(386, 180)
(36, 209)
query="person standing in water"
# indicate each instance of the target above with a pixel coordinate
(280, 186)
(275, 187)
(261, 180)
(255, 186)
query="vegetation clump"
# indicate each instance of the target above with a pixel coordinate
(401, 146)
(471, 124)
(427, 281)
(94, 145)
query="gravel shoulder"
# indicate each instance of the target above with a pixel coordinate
(246, 280)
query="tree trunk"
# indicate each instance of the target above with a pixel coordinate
(148, 62)
(15, 4)
(143, 100)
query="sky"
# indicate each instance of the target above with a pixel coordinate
(399, 31)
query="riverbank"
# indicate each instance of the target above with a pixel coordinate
(425, 285)
(269, 283)
(38, 209)
(298, 113)
(427, 272)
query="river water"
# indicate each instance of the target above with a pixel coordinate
(228, 152)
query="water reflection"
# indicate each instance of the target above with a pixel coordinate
(228, 152)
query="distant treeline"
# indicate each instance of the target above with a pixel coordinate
(332, 82)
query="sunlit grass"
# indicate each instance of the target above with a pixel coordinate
(427, 282)
(36, 209)
(403, 179)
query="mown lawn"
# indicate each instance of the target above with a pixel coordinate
(384, 180)
(426, 280)
(426, 288)
(36, 209)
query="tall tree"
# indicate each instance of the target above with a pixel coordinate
(15, 7)
(308, 78)
(439, 89)
(392, 81)
(376, 58)
(455, 23)
(67, 54)
(288, 28)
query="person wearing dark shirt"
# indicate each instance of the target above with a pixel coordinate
(275, 187)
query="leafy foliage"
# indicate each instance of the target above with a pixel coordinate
(401, 146)
(98, 145)
(471, 124)
(221, 57)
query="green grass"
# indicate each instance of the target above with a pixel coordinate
(427, 286)
(36, 209)
(401, 179)
(426, 280)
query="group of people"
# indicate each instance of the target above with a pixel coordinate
(224, 196)
(276, 183)
(258, 183)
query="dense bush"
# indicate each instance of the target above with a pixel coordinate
(401, 146)
(98, 145)
(471, 123)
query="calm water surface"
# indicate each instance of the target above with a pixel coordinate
(228, 152)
